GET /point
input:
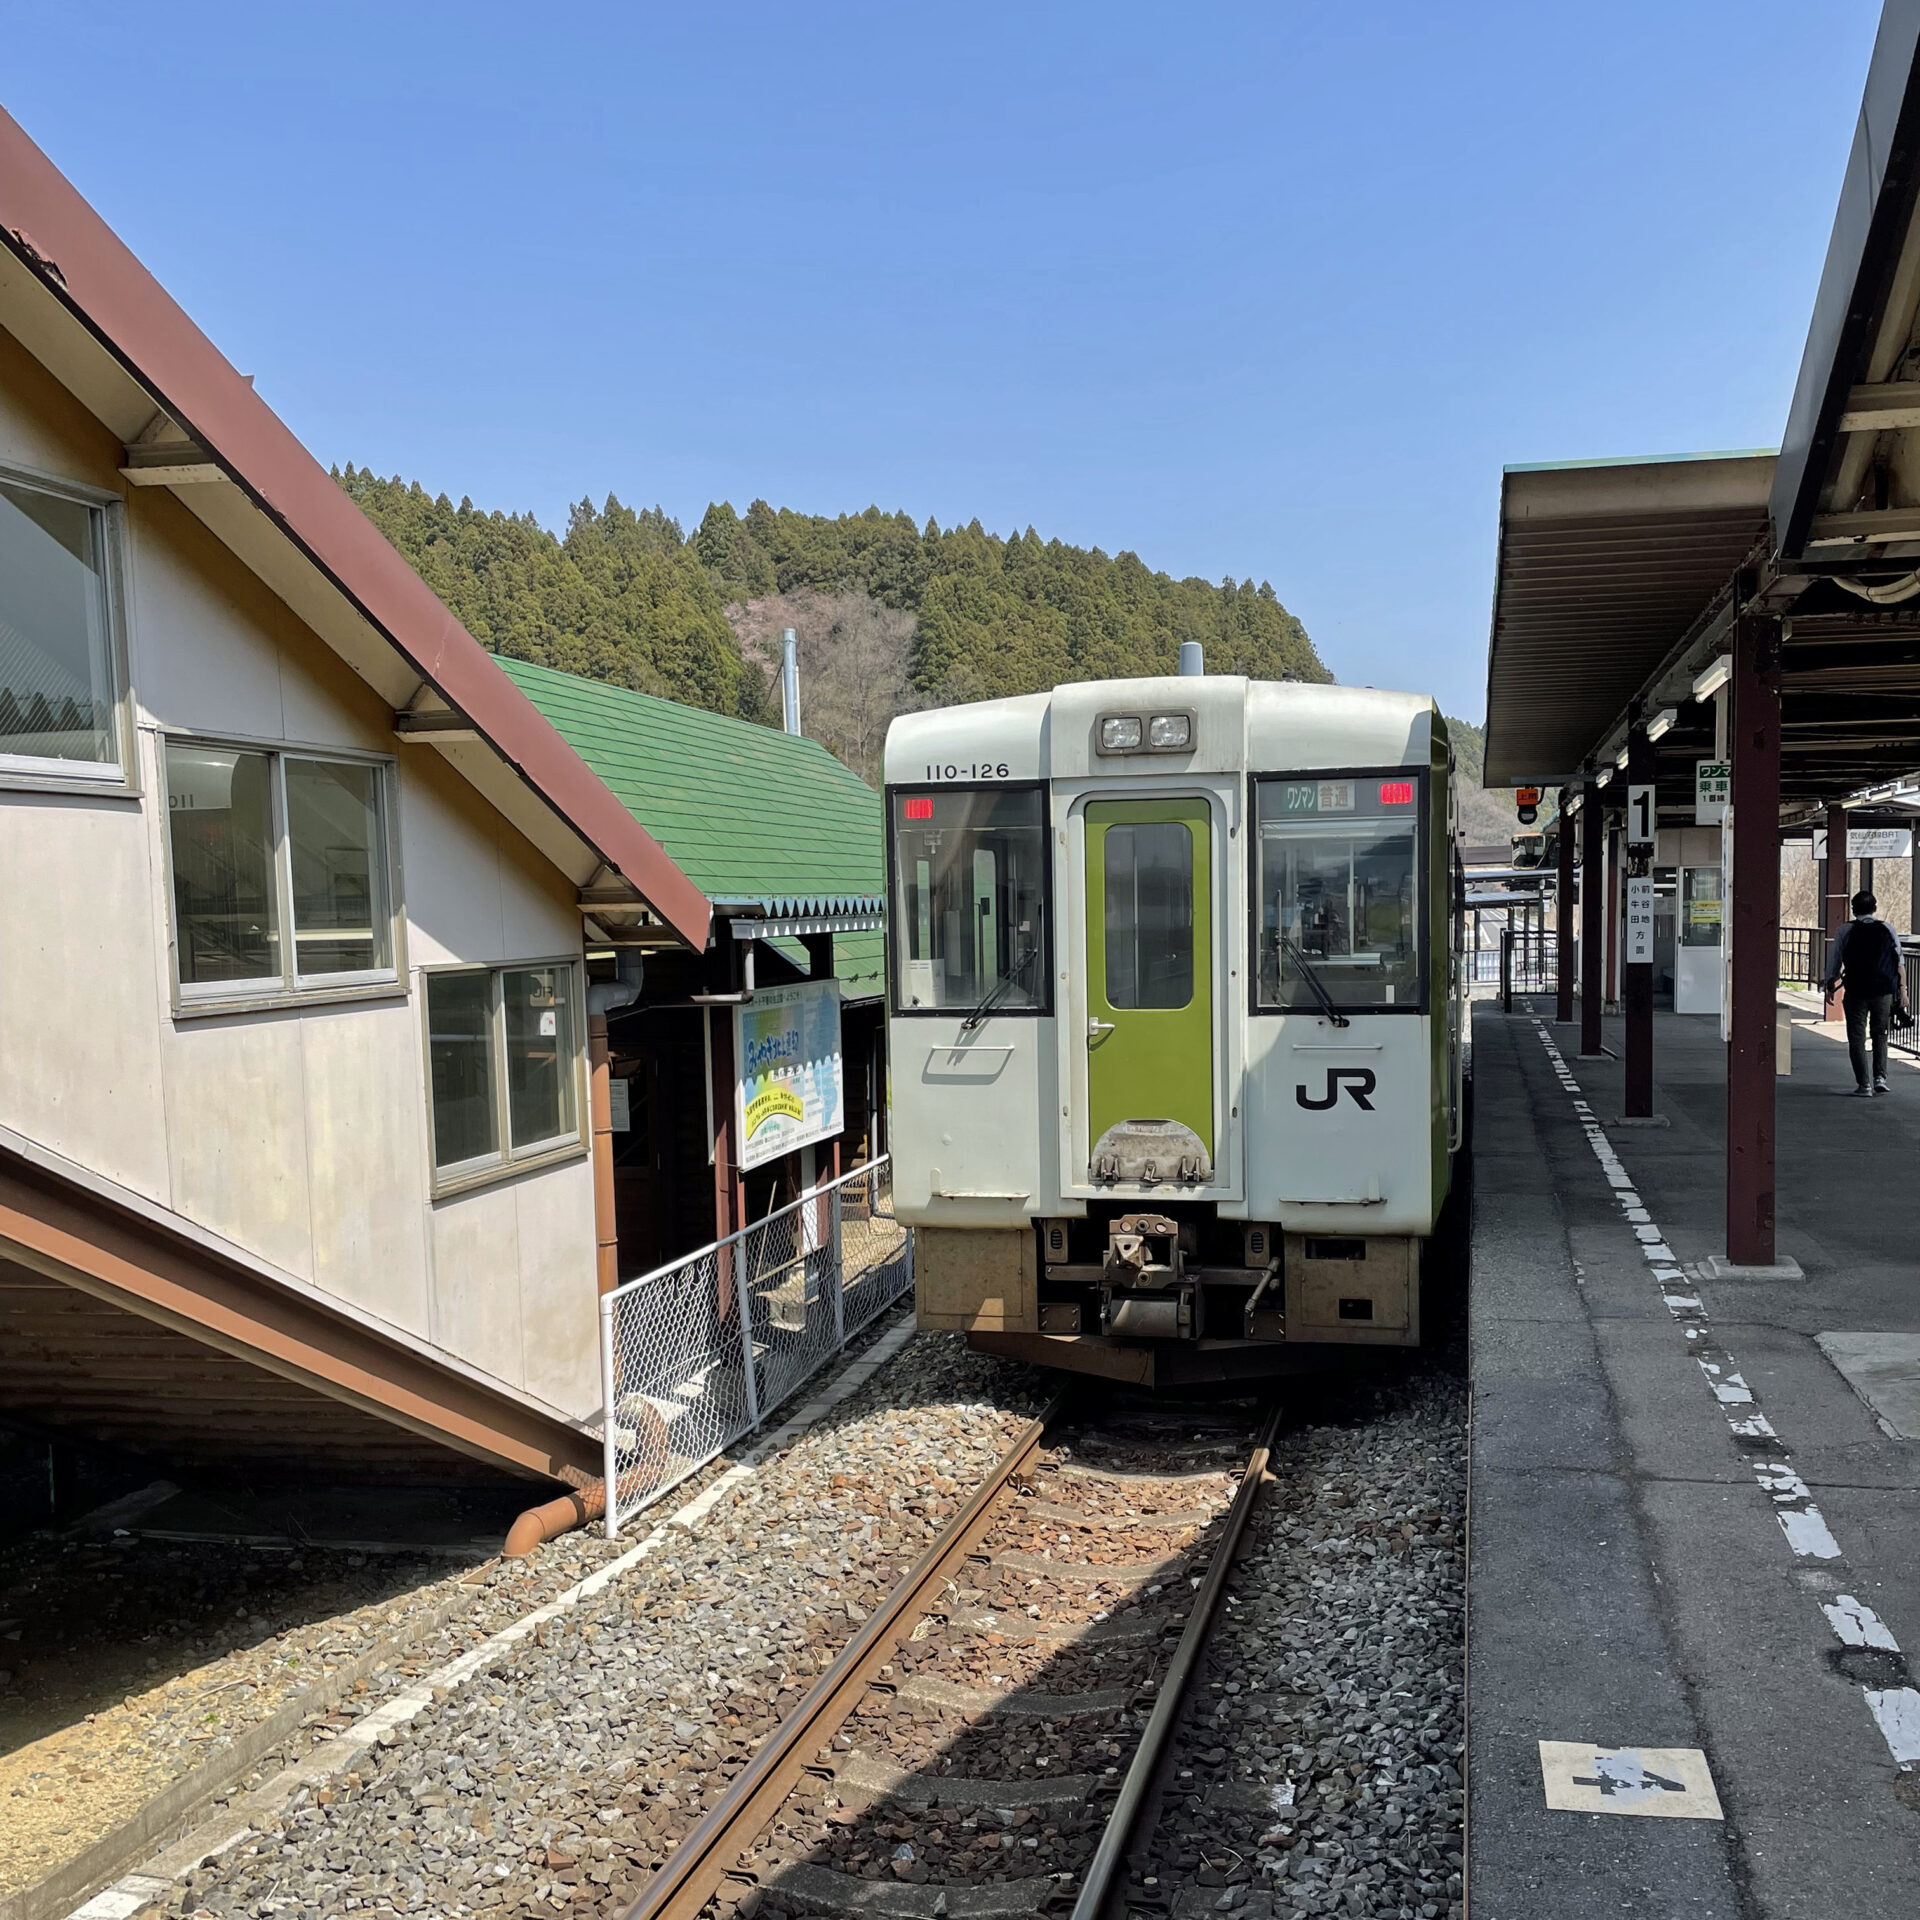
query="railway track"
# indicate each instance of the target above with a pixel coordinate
(993, 1740)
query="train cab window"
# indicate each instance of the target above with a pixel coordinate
(1338, 891)
(969, 877)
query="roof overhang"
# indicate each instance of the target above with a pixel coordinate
(89, 312)
(1850, 412)
(1604, 568)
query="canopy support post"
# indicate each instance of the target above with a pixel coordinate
(1636, 986)
(1563, 917)
(1753, 922)
(1836, 908)
(1593, 900)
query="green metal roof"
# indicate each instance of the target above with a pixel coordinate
(753, 817)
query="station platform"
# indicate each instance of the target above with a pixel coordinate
(1694, 1530)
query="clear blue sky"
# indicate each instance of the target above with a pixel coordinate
(1268, 289)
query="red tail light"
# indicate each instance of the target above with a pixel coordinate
(1393, 793)
(917, 809)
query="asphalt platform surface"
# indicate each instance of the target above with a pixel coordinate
(1641, 1575)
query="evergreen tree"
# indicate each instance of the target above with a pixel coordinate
(627, 596)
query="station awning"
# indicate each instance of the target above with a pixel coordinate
(1604, 567)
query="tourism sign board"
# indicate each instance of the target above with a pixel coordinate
(789, 1085)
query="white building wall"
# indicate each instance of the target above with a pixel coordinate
(302, 1134)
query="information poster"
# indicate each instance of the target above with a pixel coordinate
(790, 1089)
(1869, 843)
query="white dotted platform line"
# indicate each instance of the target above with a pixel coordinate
(1895, 1710)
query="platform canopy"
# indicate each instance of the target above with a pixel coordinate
(1605, 566)
(1618, 582)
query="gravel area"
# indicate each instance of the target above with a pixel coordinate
(556, 1781)
(140, 1661)
(1321, 1764)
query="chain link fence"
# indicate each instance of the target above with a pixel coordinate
(701, 1351)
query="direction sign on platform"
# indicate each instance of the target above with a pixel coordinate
(1639, 919)
(1712, 791)
(1869, 843)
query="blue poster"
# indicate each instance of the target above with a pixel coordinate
(790, 1090)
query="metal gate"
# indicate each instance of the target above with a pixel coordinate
(702, 1350)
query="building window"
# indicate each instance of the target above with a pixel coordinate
(60, 705)
(282, 872)
(503, 1065)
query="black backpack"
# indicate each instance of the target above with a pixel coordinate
(1870, 958)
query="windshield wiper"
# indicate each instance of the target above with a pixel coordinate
(1000, 988)
(1312, 979)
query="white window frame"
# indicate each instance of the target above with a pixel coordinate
(37, 773)
(506, 1160)
(290, 988)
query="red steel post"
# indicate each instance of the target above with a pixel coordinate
(1836, 907)
(1753, 926)
(1593, 897)
(1563, 917)
(1636, 971)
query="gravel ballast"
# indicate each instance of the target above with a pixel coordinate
(556, 1780)
(1320, 1770)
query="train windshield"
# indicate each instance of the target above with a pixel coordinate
(969, 920)
(1339, 882)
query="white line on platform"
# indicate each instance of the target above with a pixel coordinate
(1895, 1710)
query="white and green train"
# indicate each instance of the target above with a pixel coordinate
(1175, 1020)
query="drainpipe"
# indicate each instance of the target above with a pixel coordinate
(605, 997)
(538, 1525)
(790, 679)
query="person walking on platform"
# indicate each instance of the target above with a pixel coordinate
(1866, 958)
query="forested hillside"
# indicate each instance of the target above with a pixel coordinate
(1006, 615)
(891, 615)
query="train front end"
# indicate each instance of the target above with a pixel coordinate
(1174, 1024)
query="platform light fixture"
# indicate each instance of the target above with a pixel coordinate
(1661, 724)
(1620, 760)
(1716, 675)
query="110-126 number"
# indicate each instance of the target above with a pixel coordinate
(980, 770)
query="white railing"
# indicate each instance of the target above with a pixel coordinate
(701, 1351)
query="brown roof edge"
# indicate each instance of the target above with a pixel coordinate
(84, 263)
(70, 1233)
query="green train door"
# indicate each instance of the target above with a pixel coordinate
(1150, 964)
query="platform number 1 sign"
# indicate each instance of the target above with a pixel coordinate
(1642, 817)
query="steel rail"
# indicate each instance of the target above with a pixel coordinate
(1136, 1788)
(693, 1872)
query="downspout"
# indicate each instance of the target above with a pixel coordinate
(570, 1510)
(605, 997)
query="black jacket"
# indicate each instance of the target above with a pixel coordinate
(1867, 955)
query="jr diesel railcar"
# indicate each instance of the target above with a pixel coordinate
(1175, 1020)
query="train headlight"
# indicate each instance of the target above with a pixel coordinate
(1170, 730)
(1120, 733)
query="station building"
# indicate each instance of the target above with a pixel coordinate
(333, 951)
